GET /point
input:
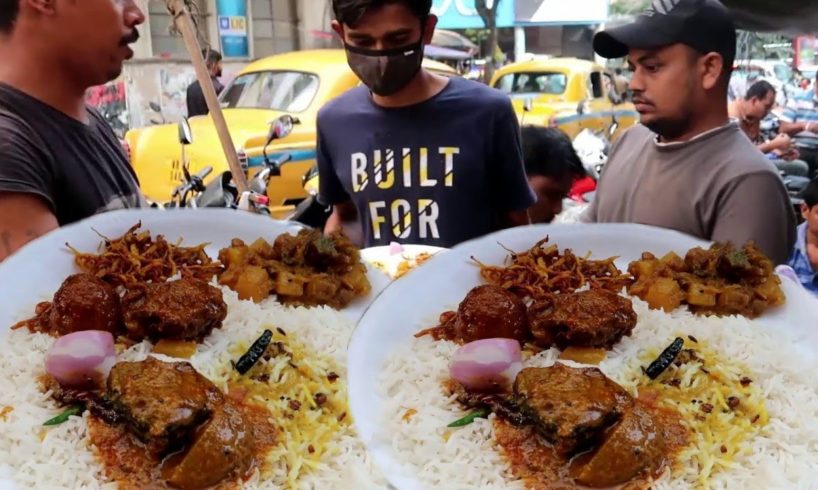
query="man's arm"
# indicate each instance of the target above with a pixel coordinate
(756, 207)
(793, 128)
(25, 217)
(344, 218)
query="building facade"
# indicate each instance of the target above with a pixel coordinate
(151, 89)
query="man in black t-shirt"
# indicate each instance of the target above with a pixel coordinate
(196, 104)
(59, 160)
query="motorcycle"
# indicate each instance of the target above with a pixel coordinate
(221, 192)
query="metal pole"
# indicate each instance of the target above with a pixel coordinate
(184, 23)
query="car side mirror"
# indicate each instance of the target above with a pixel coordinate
(528, 104)
(185, 133)
(581, 107)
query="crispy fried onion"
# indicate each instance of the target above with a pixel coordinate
(543, 270)
(136, 258)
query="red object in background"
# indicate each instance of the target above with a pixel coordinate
(580, 188)
(126, 148)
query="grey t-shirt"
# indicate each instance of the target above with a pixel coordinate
(717, 187)
(77, 169)
(437, 173)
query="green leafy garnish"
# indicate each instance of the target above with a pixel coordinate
(480, 413)
(63, 417)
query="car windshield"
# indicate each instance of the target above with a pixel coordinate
(286, 91)
(533, 83)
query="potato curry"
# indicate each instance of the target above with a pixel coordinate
(721, 281)
(308, 269)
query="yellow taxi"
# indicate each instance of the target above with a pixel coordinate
(568, 93)
(297, 83)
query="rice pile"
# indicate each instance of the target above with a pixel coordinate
(59, 457)
(784, 454)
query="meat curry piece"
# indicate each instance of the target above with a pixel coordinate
(723, 280)
(309, 268)
(222, 449)
(629, 449)
(571, 407)
(594, 318)
(486, 312)
(161, 403)
(187, 309)
(83, 302)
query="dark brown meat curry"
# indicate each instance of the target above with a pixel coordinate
(594, 318)
(563, 427)
(486, 312)
(187, 309)
(83, 302)
(174, 429)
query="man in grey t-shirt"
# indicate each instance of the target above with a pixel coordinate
(687, 167)
(59, 161)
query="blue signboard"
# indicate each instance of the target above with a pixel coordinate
(461, 14)
(233, 28)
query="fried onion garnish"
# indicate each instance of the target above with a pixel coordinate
(543, 270)
(136, 258)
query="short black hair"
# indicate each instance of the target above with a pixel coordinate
(9, 9)
(810, 194)
(548, 152)
(349, 12)
(759, 90)
(211, 56)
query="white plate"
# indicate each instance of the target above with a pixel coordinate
(417, 300)
(384, 260)
(36, 271)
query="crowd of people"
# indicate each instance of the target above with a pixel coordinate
(421, 158)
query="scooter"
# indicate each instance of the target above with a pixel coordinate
(221, 192)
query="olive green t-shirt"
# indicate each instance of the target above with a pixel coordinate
(718, 186)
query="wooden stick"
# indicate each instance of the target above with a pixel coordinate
(184, 23)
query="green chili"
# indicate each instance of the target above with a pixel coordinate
(63, 417)
(477, 414)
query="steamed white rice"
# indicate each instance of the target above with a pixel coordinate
(60, 457)
(784, 456)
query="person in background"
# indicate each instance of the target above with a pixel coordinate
(749, 111)
(196, 104)
(412, 156)
(801, 115)
(804, 258)
(60, 162)
(552, 166)
(687, 166)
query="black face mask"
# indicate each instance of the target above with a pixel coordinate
(386, 71)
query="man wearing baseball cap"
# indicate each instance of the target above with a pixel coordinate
(687, 166)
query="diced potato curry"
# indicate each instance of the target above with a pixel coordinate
(720, 281)
(309, 269)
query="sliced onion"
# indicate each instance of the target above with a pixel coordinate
(81, 359)
(487, 365)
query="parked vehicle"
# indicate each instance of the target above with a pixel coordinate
(567, 93)
(297, 83)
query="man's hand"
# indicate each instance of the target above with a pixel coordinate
(344, 218)
(782, 142)
(25, 217)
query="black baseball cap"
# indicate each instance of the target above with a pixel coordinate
(704, 25)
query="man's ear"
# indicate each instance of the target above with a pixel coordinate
(43, 7)
(711, 65)
(339, 29)
(429, 29)
(804, 211)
